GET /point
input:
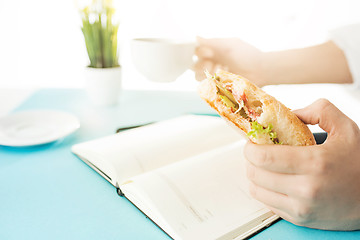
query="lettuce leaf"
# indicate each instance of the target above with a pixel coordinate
(258, 129)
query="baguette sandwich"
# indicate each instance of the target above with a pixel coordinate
(260, 116)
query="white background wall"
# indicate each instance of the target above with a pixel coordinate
(41, 44)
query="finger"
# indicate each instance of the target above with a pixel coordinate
(201, 66)
(281, 213)
(199, 39)
(209, 66)
(200, 75)
(281, 158)
(218, 66)
(215, 67)
(272, 181)
(209, 42)
(324, 113)
(272, 199)
(204, 52)
(202, 41)
(204, 64)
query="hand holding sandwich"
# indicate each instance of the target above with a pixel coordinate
(310, 185)
(315, 186)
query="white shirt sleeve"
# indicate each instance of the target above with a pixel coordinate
(348, 39)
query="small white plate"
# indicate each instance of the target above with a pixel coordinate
(36, 127)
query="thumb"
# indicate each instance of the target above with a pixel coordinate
(324, 113)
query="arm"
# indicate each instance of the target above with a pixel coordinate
(314, 186)
(324, 63)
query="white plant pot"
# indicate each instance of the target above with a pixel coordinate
(103, 85)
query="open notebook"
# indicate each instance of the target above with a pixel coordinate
(186, 174)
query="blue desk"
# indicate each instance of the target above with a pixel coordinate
(48, 193)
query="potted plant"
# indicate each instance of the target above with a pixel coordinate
(103, 74)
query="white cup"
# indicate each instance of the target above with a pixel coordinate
(162, 59)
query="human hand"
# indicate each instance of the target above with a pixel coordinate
(313, 186)
(230, 54)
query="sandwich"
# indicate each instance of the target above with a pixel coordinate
(260, 116)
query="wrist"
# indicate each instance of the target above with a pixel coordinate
(267, 70)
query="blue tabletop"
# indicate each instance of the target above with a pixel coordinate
(48, 193)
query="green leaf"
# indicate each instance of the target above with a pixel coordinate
(257, 129)
(100, 34)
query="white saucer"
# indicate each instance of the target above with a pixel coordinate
(36, 127)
